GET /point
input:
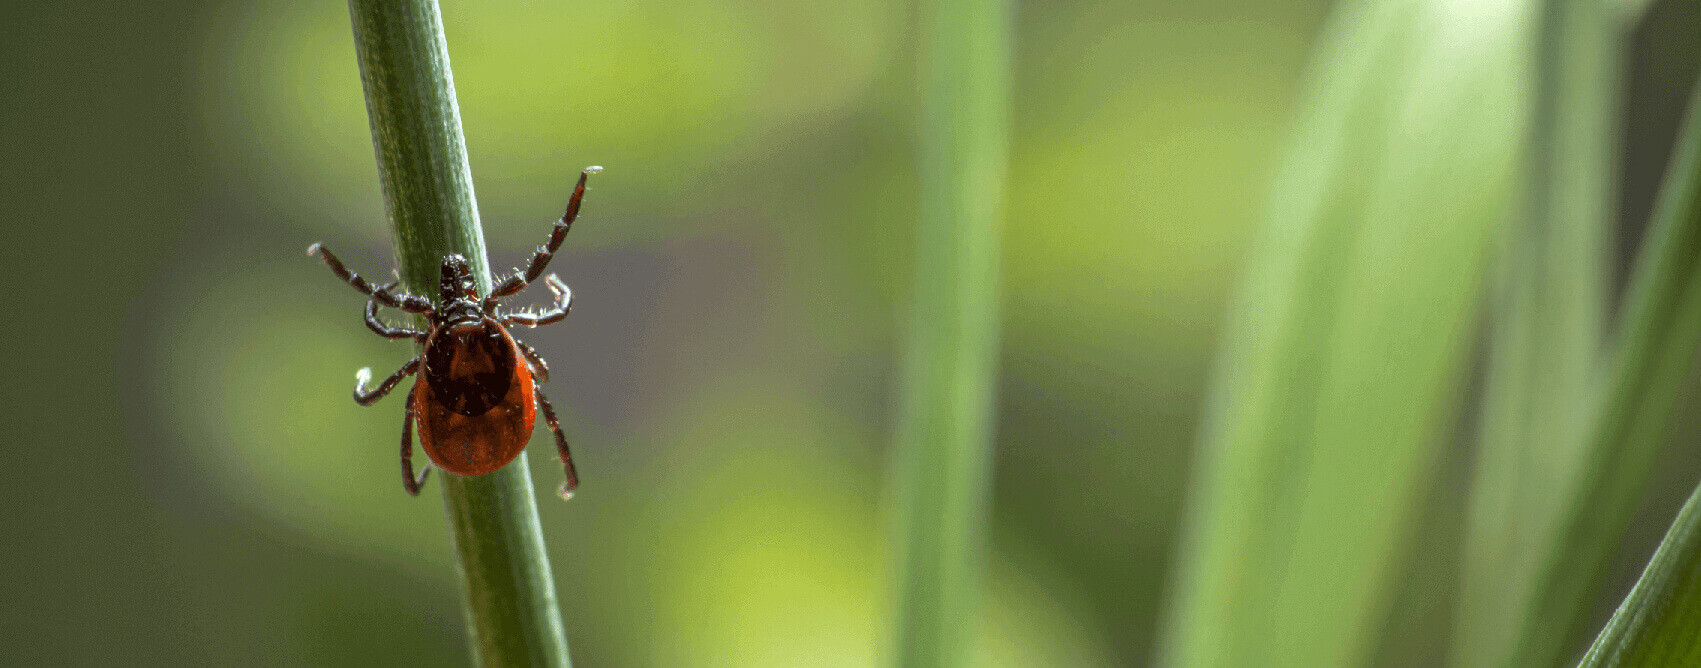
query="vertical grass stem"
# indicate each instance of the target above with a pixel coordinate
(945, 435)
(511, 612)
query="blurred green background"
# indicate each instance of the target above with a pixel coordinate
(191, 483)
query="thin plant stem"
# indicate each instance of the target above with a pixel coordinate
(511, 612)
(945, 434)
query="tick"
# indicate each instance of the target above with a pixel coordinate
(477, 390)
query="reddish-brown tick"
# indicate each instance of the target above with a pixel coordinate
(476, 396)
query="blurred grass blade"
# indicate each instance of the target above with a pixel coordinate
(1655, 342)
(1659, 623)
(1629, 13)
(1545, 325)
(510, 603)
(1343, 354)
(945, 433)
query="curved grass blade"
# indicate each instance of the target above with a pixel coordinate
(1659, 623)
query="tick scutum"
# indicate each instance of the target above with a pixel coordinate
(470, 366)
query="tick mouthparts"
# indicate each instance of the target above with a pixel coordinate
(566, 494)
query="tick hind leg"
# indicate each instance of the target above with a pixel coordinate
(366, 398)
(409, 482)
(572, 481)
(540, 260)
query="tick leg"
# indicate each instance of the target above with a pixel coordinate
(563, 304)
(365, 398)
(540, 369)
(540, 260)
(409, 482)
(386, 331)
(572, 482)
(405, 302)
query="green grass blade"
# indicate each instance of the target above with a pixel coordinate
(510, 606)
(1655, 345)
(1545, 327)
(1630, 12)
(945, 431)
(1659, 623)
(1344, 350)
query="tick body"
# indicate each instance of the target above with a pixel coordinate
(475, 403)
(476, 395)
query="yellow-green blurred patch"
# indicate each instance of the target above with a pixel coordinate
(260, 393)
(663, 92)
(769, 549)
(1126, 223)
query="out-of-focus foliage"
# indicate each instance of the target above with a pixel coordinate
(1659, 622)
(1656, 343)
(941, 472)
(1367, 269)
(726, 372)
(194, 485)
(1548, 297)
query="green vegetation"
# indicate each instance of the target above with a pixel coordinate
(1545, 326)
(1312, 461)
(1658, 623)
(944, 452)
(1338, 382)
(1654, 348)
(1086, 333)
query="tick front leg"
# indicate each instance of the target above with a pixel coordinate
(409, 482)
(365, 398)
(563, 305)
(572, 481)
(405, 302)
(386, 331)
(540, 260)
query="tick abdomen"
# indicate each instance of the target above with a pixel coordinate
(475, 407)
